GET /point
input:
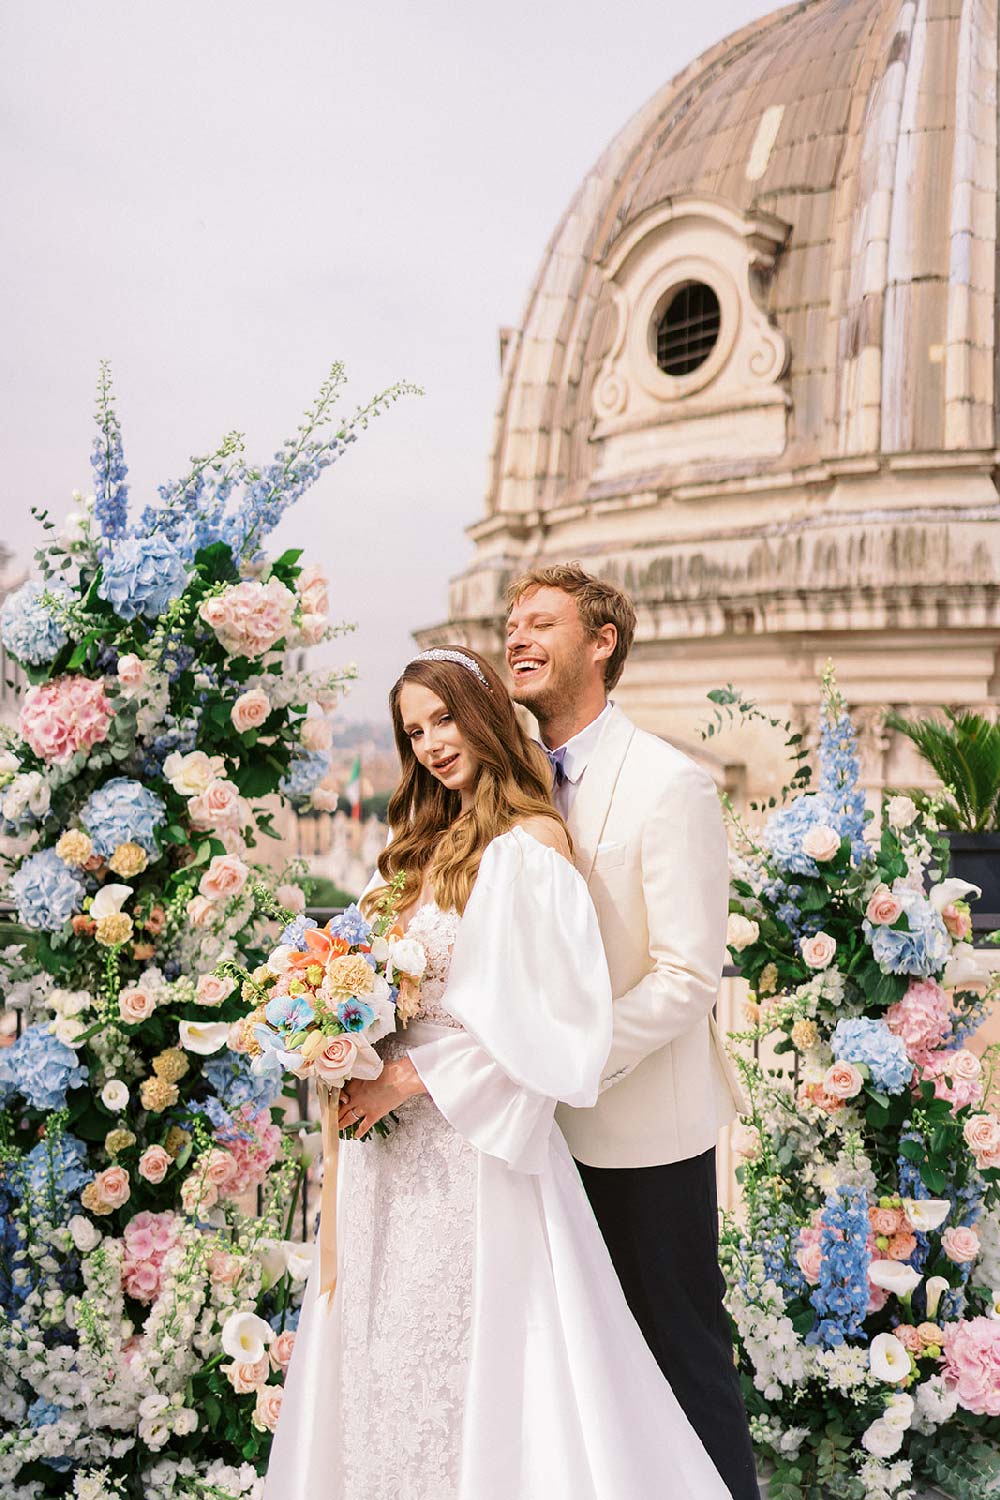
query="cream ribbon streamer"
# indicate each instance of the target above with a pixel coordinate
(328, 1196)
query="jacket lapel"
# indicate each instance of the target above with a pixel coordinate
(592, 803)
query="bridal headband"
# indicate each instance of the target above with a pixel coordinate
(440, 653)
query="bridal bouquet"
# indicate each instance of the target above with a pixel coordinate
(325, 995)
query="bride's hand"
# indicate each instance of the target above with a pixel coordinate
(364, 1102)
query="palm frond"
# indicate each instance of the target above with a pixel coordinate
(964, 753)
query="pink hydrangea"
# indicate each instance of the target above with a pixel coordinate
(956, 1076)
(251, 617)
(148, 1239)
(921, 1019)
(255, 1145)
(972, 1364)
(68, 714)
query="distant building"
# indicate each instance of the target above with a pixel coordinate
(756, 382)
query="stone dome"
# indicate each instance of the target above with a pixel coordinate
(756, 376)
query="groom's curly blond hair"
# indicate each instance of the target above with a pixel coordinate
(598, 603)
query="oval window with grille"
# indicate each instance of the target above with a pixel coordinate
(688, 329)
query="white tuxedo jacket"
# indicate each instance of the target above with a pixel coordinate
(650, 842)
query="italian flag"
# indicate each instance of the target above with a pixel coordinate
(352, 790)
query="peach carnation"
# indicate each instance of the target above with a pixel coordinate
(74, 847)
(128, 859)
(114, 929)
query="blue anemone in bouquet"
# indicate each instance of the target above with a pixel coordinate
(149, 1178)
(863, 1266)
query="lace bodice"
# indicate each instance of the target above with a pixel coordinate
(436, 931)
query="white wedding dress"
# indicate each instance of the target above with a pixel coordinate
(479, 1346)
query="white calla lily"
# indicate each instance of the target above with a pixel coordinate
(993, 1311)
(298, 1259)
(894, 1276)
(935, 1289)
(109, 899)
(965, 971)
(245, 1337)
(889, 1359)
(203, 1037)
(927, 1214)
(271, 1255)
(953, 889)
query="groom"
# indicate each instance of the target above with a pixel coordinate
(650, 842)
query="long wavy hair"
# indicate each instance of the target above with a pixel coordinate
(426, 822)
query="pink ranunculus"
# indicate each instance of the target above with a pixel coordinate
(154, 1163)
(268, 1407)
(325, 799)
(246, 1377)
(132, 671)
(921, 1019)
(316, 734)
(212, 989)
(960, 1243)
(972, 1364)
(136, 1004)
(821, 843)
(958, 923)
(965, 1086)
(225, 878)
(982, 1136)
(200, 911)
(292, 897)
(884, 907)
(218, 806)
(817, 951)
(280, 1351)
(250, 710)
(843, 1080)
(113, 1186)
(68, 714)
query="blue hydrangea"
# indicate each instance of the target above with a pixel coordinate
(785, 829)
(870, 1043)
(305, 772)
(143, 576)
(350, 925)
(294, 935)
(29, 629)
(841, 1296)
(46, 892)
(922, 949)
(122, 811)
(55, 1170)
(229, 1076)
(42, 1413)
(40, 1068)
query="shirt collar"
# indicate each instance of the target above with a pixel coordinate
(581, 747)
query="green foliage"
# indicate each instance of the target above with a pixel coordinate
(737, 710)
(964, 754)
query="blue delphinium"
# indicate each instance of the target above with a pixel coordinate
(841, 1297)
(922, 949)
(305, 772)
(912, 1185)
(46, 892)
(278, 487)
(839, 772)
(775, 1238)
(294, 935)
(350, 925)
(30, 630)
(870, 1043)
(108, 464)
(55, 1170)
(143, 576)
(40, 1068)
(122, 811)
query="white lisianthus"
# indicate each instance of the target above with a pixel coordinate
(889, 1360)
(947, 891)
(901, 812)
(894, 1276)
(936, 1401)
(153, 1405)
(245, 1337)
(109, 899)
(114, 1095)
(380, 949)
(935, 1290)
(927, 1214)
(741, 931)
(185, 1421)
(406, 956)
(154, 1432)
(385, 1015)
(899, 1411)
(881, 1439)
(86, 1235)
(203, 1037)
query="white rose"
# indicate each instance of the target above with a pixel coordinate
(114, 1095)
(899, 1411)
(741, 931)
(901, 812)
(894, 1276)
(947, 891)
(881, 1439)
(279, 959)
(69, 1030)
(245, 1337)
(190, 774)
(69, 1002)
(86, 1235)
(203, 1037)
(927, 1214)
(109, 899)
(821, 843)
(817, 951)
(406, 956)
(888, 1358)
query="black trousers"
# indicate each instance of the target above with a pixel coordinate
(661, 1226)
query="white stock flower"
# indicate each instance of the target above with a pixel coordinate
(109, 899)
(927, 1214)
(114, 1095)
(881, 1439)
(203, 1037)
(894, 1276)
(741, 931)
(245, 1337)
(889, 1359)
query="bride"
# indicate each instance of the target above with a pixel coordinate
(479, 1346)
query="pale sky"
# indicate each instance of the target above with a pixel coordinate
(223, 197)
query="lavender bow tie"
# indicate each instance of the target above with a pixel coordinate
(556, 759)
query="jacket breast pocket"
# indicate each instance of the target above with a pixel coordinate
(609, 856)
